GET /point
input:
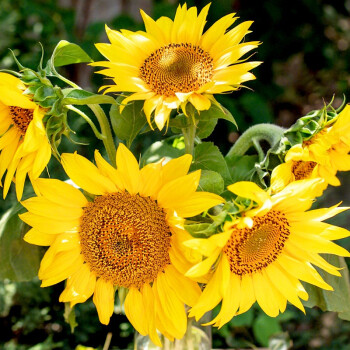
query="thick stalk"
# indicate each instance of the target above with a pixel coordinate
(189, 135)
(267, 132)
(106, 132)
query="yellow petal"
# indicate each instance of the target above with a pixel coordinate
(34, 236)
(128, 167)
(282, 282)
(45, 207)
(171, 304)
(230, 301)
(135, 311)
(186, 290)
(61, 193)
(249, 190)
(248, 295)
(109, 171)
(47, 225)
(174, 192)
(65, 264)
(200, 102)
(86, 175)
(302, 271)
(211, 295)
(197, 203)
(177, 167)
(80, 286)
(104, 300)
(150, 180)
(263, 294)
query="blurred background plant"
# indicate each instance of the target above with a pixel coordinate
(306, 55)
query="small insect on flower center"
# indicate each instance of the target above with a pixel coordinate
(302, 170)
(125, 238)
(252, 249)
(177, 68)
(21, 118)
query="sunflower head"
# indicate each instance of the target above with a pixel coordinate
(24, 146)
(130, 235)
(264, 254)
(173, 62)
(319, 156)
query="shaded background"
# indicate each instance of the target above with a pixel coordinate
(306, 58)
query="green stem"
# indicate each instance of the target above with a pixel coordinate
(67, 81)
(88, 120)
(106, 132)
(189, 135)
(268, 132)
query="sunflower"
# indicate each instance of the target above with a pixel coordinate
(173, 62)
(24, 146)
(321, 156)
(129, 236)
(263, 255)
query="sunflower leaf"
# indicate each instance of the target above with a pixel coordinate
(207, 156)
(217, 111)
(128, 123)
(69, 316)
(211, 181)
(162, 149)
(82, 97)
(66, 53)
(19, 261)
(337, 300)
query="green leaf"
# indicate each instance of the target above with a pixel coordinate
(82, 97)
(211, 181)
(19, 261)
(207, 156)
(69, 316)
(337, 300)
(200, 230)
(161, 149)
(205, 128)
(217, 111)
(264, 327)
(128, 124)
(242, 168)
(66, 53)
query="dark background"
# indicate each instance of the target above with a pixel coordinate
(305, 50)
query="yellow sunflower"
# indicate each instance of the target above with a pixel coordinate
(129, 236)
(263, 255)
(321, 156)
(173, 62)
(24, 146)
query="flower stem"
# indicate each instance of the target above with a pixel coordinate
(88, 120)
(268, 132)
(106, 132)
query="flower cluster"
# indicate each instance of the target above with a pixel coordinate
(164, 231)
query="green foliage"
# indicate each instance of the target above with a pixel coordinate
(128, 123)
(19, 261)
(264, 327)
(211, 181)
(337, 300)
(162, 149)
(207, 156)
(66, 53)
(82, 97)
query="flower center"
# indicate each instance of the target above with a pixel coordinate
(177, 68)
(252, 249)
(21, 118)
(302, 170)
(125, 238)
